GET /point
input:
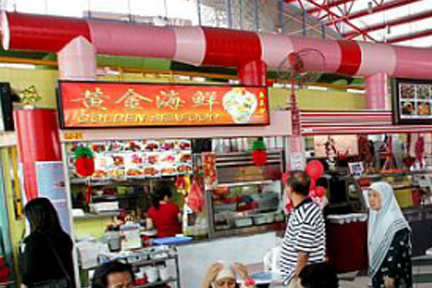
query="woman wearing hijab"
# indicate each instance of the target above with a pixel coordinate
(222, 275)
(389, 240)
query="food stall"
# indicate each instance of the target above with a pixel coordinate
(161, 134)
(358, 148)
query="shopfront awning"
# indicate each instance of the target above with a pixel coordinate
(354, 122)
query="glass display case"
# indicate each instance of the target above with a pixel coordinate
(247, 198)
(246, 204)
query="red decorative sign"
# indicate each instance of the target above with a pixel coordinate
(109, 104)
(210, 171)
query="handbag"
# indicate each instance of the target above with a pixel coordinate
(64, 282)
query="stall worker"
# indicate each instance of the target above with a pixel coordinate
(164, 216)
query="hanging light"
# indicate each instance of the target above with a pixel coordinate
(370, 7)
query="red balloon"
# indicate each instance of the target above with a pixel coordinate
(315, 169)
(312, 185)
(320, 191)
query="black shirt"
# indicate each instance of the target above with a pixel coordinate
(39, 262)
(397, 263)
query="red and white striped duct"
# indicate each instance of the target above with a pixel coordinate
(210, 46)
(354, 122)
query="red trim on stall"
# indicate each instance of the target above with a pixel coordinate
(355, 122)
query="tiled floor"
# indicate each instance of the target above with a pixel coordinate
(363, 282)
(353, 280)
(350, 280)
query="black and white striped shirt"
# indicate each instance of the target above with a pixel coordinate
(305, 233)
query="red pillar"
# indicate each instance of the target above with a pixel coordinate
(38, 140)
(253, 73)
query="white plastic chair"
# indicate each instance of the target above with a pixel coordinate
(271, 260)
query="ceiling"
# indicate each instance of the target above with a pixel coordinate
(399, 22)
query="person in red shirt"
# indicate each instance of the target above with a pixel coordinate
(163, 215)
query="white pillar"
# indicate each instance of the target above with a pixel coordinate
(77, 60)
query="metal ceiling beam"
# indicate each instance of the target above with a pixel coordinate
(396, 22)
(407, 37)
(340, 19)
(380, 8)
(330, 5)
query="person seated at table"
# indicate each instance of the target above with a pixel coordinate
(319, 275)
(222, 275)
(163, 215)
(113, 275)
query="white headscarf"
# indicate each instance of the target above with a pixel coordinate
(226, 272)
(383, 225)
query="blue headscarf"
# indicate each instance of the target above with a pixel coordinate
(383, 225)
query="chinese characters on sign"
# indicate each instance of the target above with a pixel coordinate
(93, 99)
(132, 100)
(205, 99)
(170, 99)
(98, 104)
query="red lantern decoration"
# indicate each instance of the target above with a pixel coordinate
(84, 162)
(259, 157)
(259, 152)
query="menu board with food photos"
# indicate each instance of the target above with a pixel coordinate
(412, 101)
(122, 160)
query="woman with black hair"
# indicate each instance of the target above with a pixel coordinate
(47, 251)
(163, 215)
